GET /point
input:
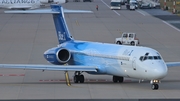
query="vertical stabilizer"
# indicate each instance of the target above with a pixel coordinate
(62, 30)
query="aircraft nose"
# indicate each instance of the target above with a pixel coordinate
(160, 72)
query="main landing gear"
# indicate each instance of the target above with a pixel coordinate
(78, 77)
(154, 84)
(118, 79)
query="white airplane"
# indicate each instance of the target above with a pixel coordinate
(28, 4)
(120, 61)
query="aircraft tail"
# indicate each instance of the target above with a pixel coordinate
(62, 30)
(57, 11)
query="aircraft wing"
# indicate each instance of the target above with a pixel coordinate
(38, 11)
(50, 67)
(173, 64)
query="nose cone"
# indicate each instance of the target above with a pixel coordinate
(160, 72)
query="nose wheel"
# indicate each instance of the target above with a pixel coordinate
(154, 85)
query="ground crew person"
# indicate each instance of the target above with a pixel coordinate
(97, 7)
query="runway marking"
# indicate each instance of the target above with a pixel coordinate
(171, 26)
(77, 23)
(142, 12)
(86, 80)
(110, 7)
(12, 74)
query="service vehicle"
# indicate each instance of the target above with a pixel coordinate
(115, 4)
(127, 38)
(145, 5)
(132, 4)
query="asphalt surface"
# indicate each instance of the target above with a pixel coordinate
(172, 19)
(25, 37)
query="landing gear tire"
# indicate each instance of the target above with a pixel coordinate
(154, 86)
(118, 79)
(115, 79)
(78, 77)
(81, 78)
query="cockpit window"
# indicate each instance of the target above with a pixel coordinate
(159, 57)
(143, 58)
(147, 54)
(150, 57)
(155, 57)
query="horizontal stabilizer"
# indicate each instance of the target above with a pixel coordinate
(50, 67)
(47, 11)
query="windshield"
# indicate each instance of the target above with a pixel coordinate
(115, 4)
(143, 58)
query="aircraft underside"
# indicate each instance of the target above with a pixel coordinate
(79, 78)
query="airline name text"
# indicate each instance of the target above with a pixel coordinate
(18, 1)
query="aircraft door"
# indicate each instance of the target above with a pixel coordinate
(134, 63)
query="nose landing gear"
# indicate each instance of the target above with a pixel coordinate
(154, 84)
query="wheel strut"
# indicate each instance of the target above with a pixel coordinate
(68, 83)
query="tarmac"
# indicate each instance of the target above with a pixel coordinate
(25, 37)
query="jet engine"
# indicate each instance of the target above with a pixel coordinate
(63, 55)
(57, 56)
(53, 1)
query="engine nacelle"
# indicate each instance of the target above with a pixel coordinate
(57, 56)
(53, 1)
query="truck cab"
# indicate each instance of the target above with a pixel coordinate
(128, 39)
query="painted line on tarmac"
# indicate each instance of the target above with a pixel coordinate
(171, 25)
(142, 12)
(110, 7)
(12, 74)
(86, 80)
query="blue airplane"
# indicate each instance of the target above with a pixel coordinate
(120, 61)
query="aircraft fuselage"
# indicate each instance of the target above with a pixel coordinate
(120, 60)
